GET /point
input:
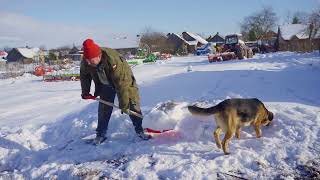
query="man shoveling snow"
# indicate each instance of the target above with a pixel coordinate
(112, 75)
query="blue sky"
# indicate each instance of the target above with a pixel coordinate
(64, 22)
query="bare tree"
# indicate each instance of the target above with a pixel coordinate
(157, 41)
(288, 18)
(314, 27)
(298, 17)
(301, 17)
(260, 23)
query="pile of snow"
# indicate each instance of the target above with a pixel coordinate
(44, 126)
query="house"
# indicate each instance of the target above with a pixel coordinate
(180, 45)
(3, 54)
(2, 62)
(187, 43)
(191, 37)
(75, 54)
(217, 39)
(23, 55)
(269, 38)
(127, 50)
(194, 41)
(294, 37)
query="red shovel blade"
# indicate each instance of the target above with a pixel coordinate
(149, 130)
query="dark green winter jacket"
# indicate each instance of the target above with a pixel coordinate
(113, 70)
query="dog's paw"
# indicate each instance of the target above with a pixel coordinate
(219, 145)
(259, 136)
(226, 153)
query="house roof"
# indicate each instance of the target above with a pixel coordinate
(290, 30)
(218, 35)
(187, 42)
(197, 37)
(217, 38)
(28, 53)
(191, 43)
(3, 54)
(179, 36)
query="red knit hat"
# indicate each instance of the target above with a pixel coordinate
(90, 49)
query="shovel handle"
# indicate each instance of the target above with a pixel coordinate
(115, 106)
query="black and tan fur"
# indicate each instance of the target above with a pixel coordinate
(232, 114)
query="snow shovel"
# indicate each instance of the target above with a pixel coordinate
(147, 130)
(113, 105)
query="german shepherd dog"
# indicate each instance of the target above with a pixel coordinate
(232, 114)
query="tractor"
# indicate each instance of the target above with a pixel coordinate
(234, 48)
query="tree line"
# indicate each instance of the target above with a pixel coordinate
(255, 26)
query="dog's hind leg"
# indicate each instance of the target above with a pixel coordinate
(216, 135)
(238, 132)
(226, 140)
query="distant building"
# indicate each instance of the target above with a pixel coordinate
(75, 54)
(23, 55)
(2, 61)
(127, 50)
(269, 38)
(180, 44)
(3, 54)
(185, 43)
(194, 41)
(218, 39)
(191, 37)
(61, 53)
(294, 37)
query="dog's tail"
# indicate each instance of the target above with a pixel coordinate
(195, 110)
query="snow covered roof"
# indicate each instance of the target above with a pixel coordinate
(3, 54)
(187, 42)
(197, 37)
(191, 43)
(220, 35)
(179, 36)
(28, 53)
(290, 30)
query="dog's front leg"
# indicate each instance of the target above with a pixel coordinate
(258, 130)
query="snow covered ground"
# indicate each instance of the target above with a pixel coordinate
(42, 124)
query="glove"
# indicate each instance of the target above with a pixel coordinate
(88, 96)
(126, 111)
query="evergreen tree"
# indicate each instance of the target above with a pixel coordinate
(252, 35)
(295, 20)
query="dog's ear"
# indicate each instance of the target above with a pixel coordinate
(270, 115)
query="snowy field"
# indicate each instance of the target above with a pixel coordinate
(43, 125)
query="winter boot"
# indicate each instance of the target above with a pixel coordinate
(144, 136)
(99, 139)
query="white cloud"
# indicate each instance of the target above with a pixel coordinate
(19, 30)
